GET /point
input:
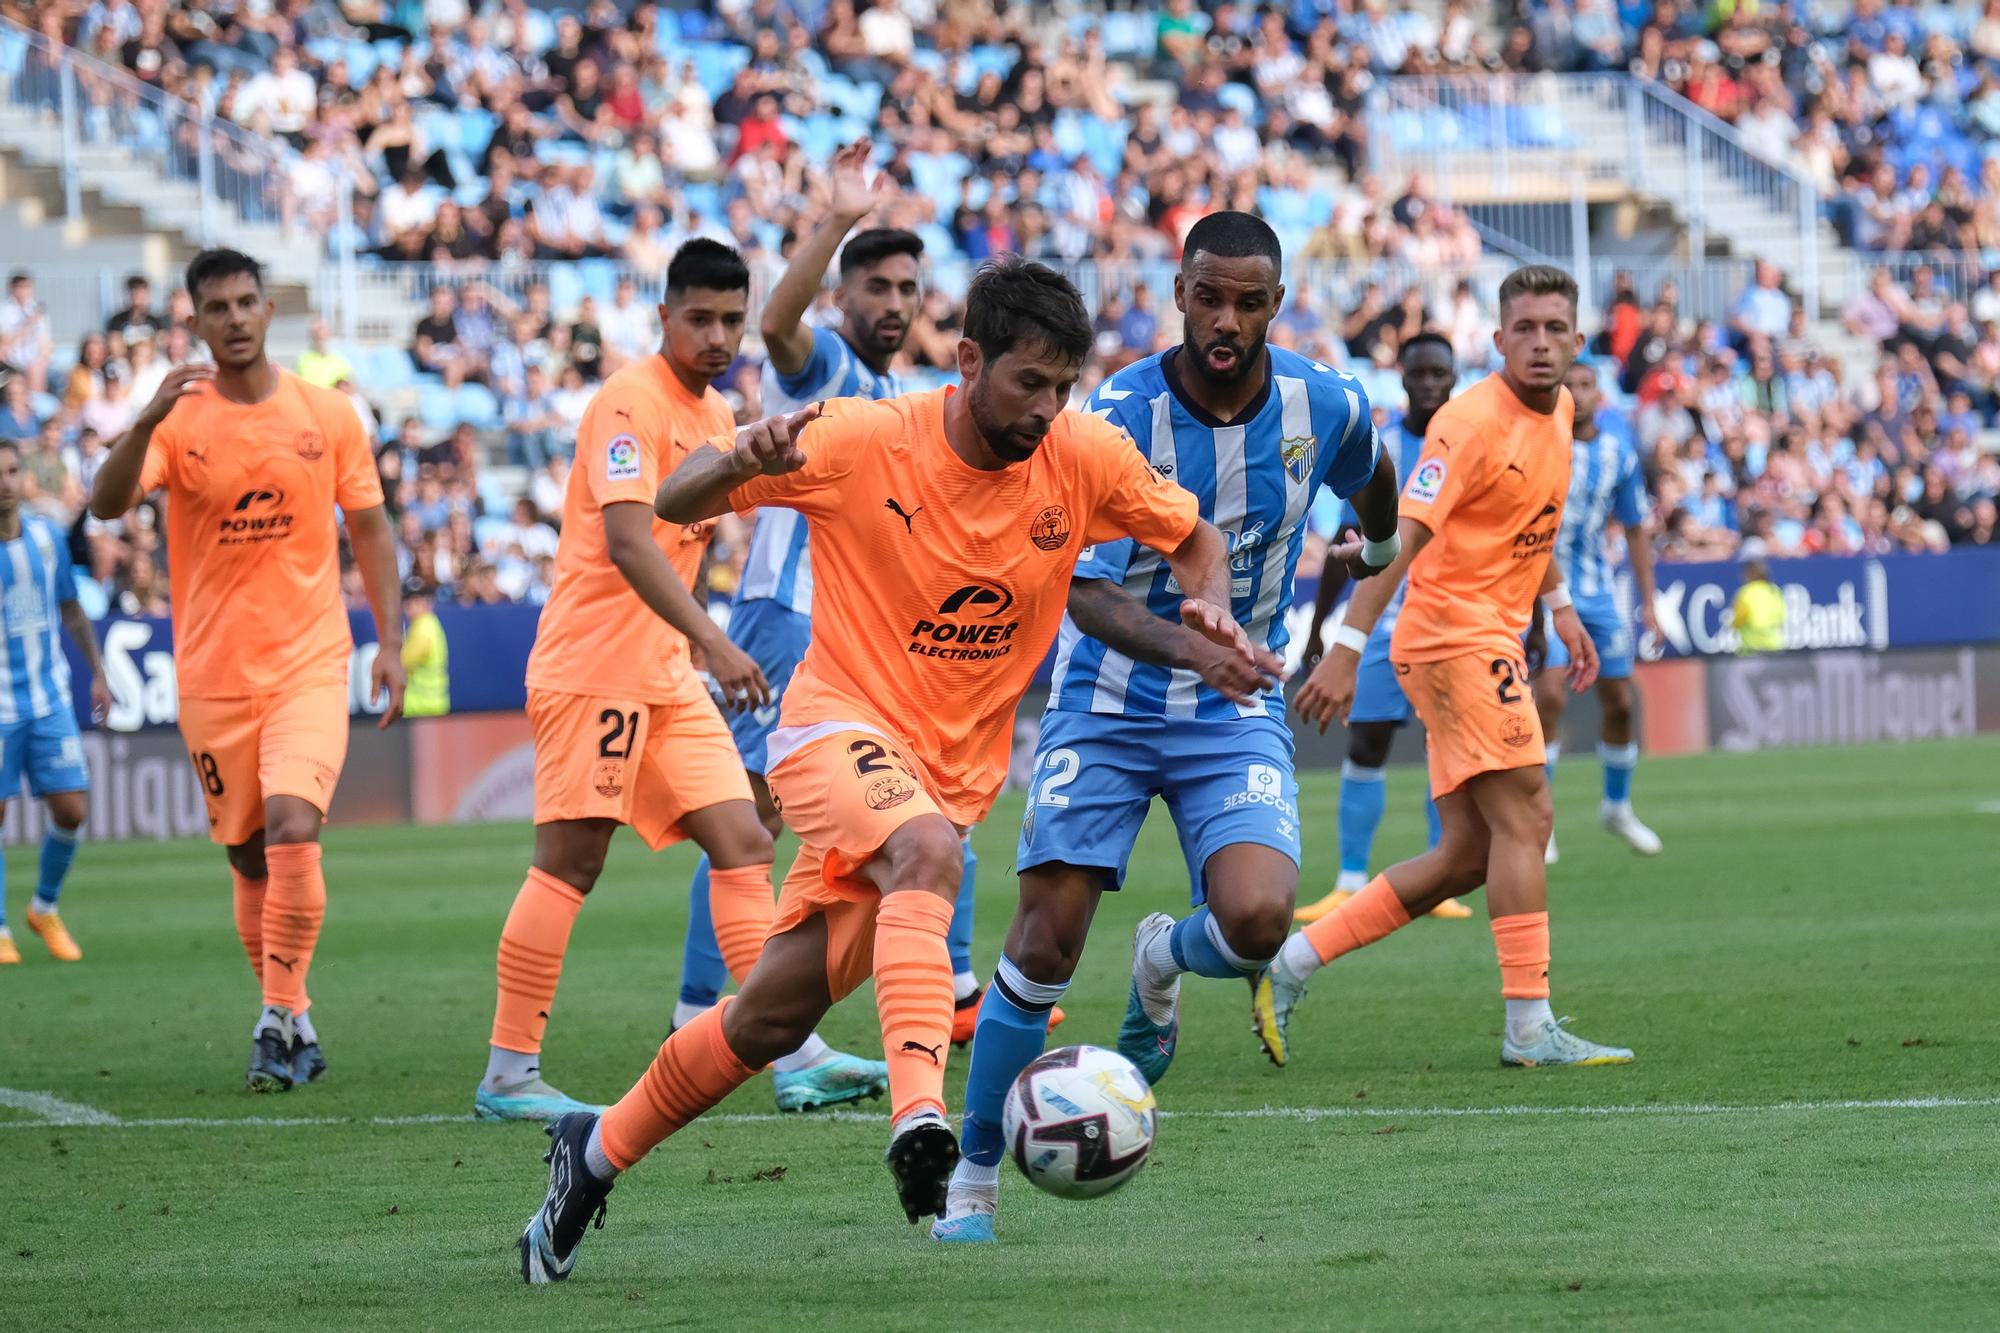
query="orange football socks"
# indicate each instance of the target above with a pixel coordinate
(1522, 941)
(294, 907)
(249, 904)
(741, 905)
(532, 945)
(1369, 915)
(913, 996)
(693, 1071)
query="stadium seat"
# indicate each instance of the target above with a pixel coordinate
(388, 369)
(565, 288)
(599, 278)
(436, 407)
(475, 129)
(476, 405)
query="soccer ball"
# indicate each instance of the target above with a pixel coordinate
(1079, 1122)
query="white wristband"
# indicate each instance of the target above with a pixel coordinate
(1556, 598)
(1348, 636)
(1383, 553)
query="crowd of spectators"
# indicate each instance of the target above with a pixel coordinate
(1891, 109)
(490, 138)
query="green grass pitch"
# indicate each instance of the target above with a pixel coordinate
(1818, 940)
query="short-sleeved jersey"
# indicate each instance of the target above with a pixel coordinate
(252, 543)
(35, 581)
(940, 586)
(1409, 449)
(1255, 480)
(778, 566)
(1604, 483)
(595, 631)
(1490, 486)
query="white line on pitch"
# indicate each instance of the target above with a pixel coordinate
(76, 1116)
(53, 1110)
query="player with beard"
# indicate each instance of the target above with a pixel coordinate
(771, 618)
(254, 462)
(1145, 707)
(895, 734)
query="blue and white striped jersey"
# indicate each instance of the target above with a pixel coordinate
(779, 566)
(1255, 481)
(35, 581)
(1604, 483)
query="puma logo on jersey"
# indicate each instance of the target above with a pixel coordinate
(909, 519)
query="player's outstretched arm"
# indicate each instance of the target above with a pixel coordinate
(628, 534)
(1375, 505)
(1569, 628)
(84, 635)
(1200, 565)
(699, 488)
(1329, 691)
(117, 486)
(1108, 614)
(374, 543)
(788, 342)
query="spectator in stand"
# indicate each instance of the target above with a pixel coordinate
(535, 429)
(434, 347)
(319, 364)
(26, 344)
(17, 413)
(1763, 310)
(136, 321)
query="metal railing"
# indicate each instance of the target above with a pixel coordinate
(383, 301)
(107, 118)
(1552, 138)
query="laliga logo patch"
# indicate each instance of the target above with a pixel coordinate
(1427, 481)
(621, 459)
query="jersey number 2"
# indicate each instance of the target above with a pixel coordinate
(623, 726)
(1508, 688)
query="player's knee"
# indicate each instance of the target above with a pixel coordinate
(927, 854)
(1615, 702)
(761, 1027)
(745, 843)
(68, 811)
(289, 822)
(247, 859)
(1255, 928)
(1046, 945)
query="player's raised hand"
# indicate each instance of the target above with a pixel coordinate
(386, 679)
(1582, 652)
(180, 382)
(737, 679)
(773, 442)
(858, 189)
(1328, 693)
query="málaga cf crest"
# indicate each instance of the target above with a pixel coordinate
(1298, 452)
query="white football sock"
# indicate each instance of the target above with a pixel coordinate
(594, 1160)
(964, 985)
(273, 1016)
(1525, 1019)
(509, 1069)
(806, 1056)
(1353, 881)
(685, 1013)
(303, 1025)
(1299, 959)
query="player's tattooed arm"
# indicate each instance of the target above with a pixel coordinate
(1200, 564)
(84, 636)
(701, 486)
(855, 193)
(1106, 613)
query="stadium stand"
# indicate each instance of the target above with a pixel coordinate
(485, 195)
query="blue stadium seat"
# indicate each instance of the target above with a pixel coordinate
(1242, 98)
(436, 407)
(387, 369)
(716, 63)
(476, 128)
(476, 405)
(442, 128)
(362, 60)
(600, 279)
(1128, 35)
(565, 288)
(489, 530)
(704, 197)
(13, 55)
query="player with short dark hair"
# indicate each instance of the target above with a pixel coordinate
(895, 732)
(1430, 372)
(254, 460)
(1479, 522)
(1606, 490)
(771, 617)
(38, 732)
(625, 731)
(1144, 707)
